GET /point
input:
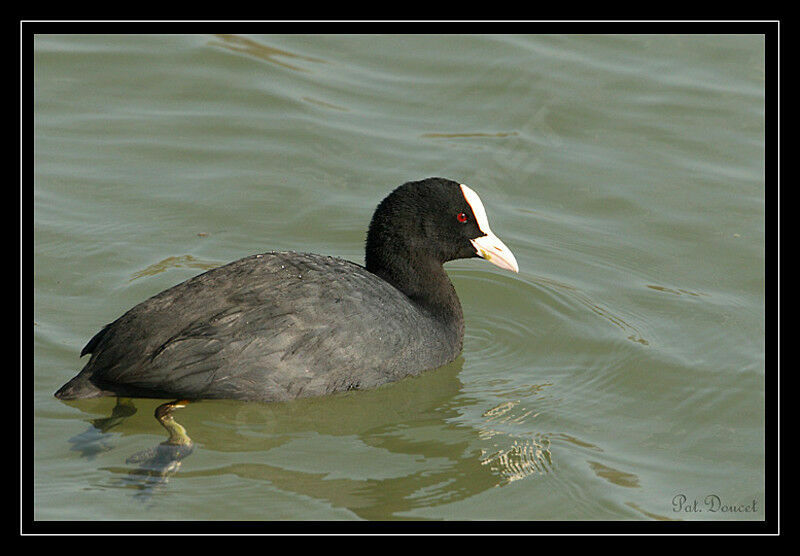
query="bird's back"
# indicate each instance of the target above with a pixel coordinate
(269, 327)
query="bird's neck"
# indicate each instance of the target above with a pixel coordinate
(423, 279)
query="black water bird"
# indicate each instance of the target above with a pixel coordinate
(283, 325)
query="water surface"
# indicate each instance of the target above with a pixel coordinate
(624, 366)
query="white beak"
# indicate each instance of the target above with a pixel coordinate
(488, 246)
(495, 251)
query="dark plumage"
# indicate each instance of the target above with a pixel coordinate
(278, 326)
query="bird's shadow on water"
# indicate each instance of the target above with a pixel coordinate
(419, 450)
(96, 439)
(230, 426)
(154, 465)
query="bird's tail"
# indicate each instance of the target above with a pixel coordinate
(79, 387)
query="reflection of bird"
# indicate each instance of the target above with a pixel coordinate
(278, 326)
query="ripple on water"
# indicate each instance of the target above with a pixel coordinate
(498, 334)
(500, 345)
(523, 458)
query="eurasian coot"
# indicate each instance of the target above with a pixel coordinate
(278, 326)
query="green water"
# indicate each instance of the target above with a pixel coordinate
(624, 366)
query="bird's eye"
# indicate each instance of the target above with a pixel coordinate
(462, 217)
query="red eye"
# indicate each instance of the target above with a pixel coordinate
(462, 217)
